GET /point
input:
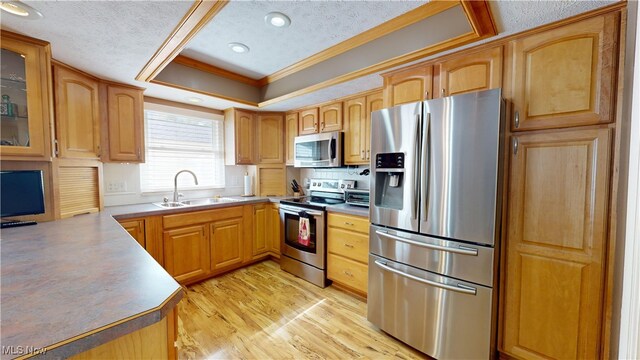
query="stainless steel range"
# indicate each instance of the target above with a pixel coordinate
(308, 259)
(435, 214)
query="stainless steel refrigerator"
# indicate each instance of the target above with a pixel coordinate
(435, 215)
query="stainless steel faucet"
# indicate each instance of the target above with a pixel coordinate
(176, 195)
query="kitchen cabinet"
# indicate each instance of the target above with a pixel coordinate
(77, 186)
(291, 131)
(348, 251)
(331, 117)
(261, 217)
(556, 244)
(239, 129)
(270, 138)
(135, 228)
(186, 252)
(227, 238)
(77, 113)
(475, 71)
(274, 229)
(26, 116)
(124, 124)
(408, 85)
(357, 127)
(271, 180)
(564, 77)
(308, 121)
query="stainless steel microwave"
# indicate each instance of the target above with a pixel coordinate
(318, 150)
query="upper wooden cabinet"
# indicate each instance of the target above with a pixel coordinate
(240, 136)
(331, 117)
(556, 244)
(408, 85)
(26, 116)
(125, 124)
(357, 127)
(473, 72)
(564, 77)
(77, 110)
(291, 131)
(270, 138)
(308, 121)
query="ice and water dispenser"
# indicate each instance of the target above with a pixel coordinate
(389, 173)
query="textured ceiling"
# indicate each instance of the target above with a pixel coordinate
(114, 40)
(315, 26)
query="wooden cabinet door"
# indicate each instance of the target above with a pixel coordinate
(274, 229)
(564, 77)
(260, 232)
(291, 131)
(77, 114)
(473, 72)
(271, 180)
(308, 121)
(407, 86)
(355, 114)
(126, 124)
(557, 233)
(244, 136)
(26, 134)
(270, 138)
(374, 103)
(331, 117)
(135, 228)
(226, 243)
(186, 252)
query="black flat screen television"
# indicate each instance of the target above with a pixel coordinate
(21, 193)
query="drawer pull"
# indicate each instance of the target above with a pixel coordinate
(348, 223)
(349, 246)
(348, 273)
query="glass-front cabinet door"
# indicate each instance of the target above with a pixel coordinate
(25, 99)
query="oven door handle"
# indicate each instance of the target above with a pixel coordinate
(292, 212)
(463, 250)
(459, 288)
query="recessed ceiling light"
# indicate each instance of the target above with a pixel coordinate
(277, 19)
(20, 9)
(238, 47)
(194, 99)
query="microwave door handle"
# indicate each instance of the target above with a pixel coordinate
(332, 148)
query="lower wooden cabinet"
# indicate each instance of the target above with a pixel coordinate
(135, 228)
(226, 243)
(274, 229)
(260, 244)
(186, 252)
(348, 251)
(556, 244)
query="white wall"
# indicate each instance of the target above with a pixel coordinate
(116, 175)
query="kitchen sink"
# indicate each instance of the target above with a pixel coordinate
(194, 202)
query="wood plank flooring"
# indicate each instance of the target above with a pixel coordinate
(261, 312)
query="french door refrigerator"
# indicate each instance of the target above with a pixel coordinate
(435, 220)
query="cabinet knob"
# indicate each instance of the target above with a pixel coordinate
(443, 92)
(516, 119)
(515, 146)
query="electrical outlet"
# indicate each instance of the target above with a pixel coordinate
(116, 186)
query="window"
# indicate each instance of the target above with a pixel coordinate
(174, 142)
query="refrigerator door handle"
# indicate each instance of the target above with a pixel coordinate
(416, 199)
(461, 288)
(424, 168)
(462, 250)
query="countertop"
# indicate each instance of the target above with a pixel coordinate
(70, 285)
(349, 210)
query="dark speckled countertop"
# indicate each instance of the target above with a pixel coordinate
(73, 284)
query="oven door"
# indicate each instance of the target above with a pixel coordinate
(311, 253)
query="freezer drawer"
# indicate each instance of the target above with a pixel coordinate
(442, 317)
(446, 257)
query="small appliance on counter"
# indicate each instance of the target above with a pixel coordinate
(357, 197)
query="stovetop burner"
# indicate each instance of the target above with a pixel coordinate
(315, 202)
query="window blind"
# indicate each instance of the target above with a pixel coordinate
(176, 142)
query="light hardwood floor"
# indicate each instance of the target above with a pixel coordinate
(261, 312)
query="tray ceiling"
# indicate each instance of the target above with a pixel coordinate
(315, 26)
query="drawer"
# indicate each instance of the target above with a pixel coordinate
(199, 217)
(349, 244)
(353, 223)
(347, 272)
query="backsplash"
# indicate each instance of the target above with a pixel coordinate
(346, 173)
